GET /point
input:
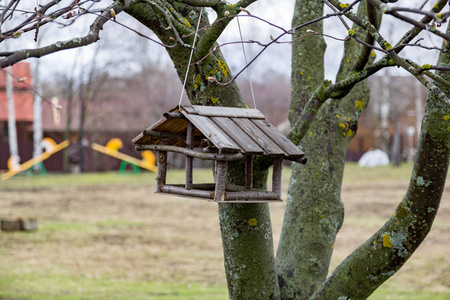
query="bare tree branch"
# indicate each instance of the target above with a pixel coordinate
(91, 37)
(393, 11)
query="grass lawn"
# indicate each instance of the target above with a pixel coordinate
(108, 236)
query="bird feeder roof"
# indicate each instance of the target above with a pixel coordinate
(229, 129)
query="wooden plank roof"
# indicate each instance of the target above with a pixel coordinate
(229, 129)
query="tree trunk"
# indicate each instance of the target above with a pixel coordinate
(315, 212)
(12, 130)
(37, 116)
(246, 228)
(381, 256)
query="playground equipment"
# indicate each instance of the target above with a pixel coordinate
(50, 148)
(112, 149)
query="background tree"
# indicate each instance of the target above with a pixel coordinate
(324, 118)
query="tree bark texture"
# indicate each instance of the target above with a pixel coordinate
(381, 256)
(246, 228)
(315, 212)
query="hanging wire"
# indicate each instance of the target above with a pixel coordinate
(190, 58)
(246, 63)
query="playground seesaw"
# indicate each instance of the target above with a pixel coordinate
(111, 149)
(50, 148)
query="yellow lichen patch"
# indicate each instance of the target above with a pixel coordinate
(344, 5)
(374, 242)
(214, 100)
(301, 73)
(195, 85)
(373, 53)
(213, 72)
(332, 246)
(344, 134)
(426, 67)
(359, 104)
(223, 66)
(317, 173)
(350, 132)
(198, 79)
(387, 241)
(342, 125)
(387, 46)
(310, 133)
(447, 117)
(337, 116)
(252, 222)
(448, 128)
(351, 32)
(185, 22)
(322, 217)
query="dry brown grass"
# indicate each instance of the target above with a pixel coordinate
(105, 235)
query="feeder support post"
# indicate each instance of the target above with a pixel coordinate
(248, 171)
(189, 145)
(162, 168)
(221, 180)
(276, 177)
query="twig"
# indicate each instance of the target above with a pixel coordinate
(20, 80)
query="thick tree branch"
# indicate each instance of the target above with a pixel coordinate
(364, 56)
(334, 91)
(211, 35)
(168, 19)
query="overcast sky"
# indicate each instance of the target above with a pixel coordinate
(276, 59)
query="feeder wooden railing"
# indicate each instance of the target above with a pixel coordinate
(192, 153)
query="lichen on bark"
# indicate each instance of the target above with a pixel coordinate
(314, 212)
(381, 256)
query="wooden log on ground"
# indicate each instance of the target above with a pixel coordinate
(11, 225)
(19, 224)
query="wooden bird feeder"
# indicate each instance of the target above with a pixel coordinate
(221, 134)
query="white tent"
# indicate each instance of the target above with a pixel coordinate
(374, 158)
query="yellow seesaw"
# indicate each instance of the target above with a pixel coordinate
(50, 148)
(112, 149)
